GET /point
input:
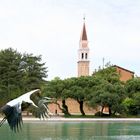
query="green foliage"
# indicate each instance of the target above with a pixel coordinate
(109, 92)
(107, 95)
(80, 90)
(10, 75)
(19, 73)
(132, 101)
(33, 71)
(132, 86)
(108, 74)
(54, 88)
(103, 89)
(58, 89)
(128, 102)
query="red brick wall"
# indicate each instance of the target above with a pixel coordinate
(124, 75)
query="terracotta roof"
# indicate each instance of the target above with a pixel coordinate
(123, 69)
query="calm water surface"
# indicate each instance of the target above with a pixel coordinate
(73, 131)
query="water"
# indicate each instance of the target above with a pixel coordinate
(73, 131)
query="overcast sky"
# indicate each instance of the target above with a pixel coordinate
(52, 28)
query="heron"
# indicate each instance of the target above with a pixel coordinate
(29, 101)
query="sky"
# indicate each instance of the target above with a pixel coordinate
(52, 28)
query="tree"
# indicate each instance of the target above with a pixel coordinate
(56, 88)
(80, 89)
(34, 72)
(128, 103)
(107, 95)
(10, 75)
(109, 92)
(15, 78)
(109, 74)
(131, 103)
(132, 86)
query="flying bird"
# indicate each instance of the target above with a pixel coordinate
(32, 101)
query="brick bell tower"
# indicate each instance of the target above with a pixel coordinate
(83, 53)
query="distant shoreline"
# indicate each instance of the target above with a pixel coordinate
(61, 119)
(81, 119)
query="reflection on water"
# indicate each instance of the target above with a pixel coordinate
(73, 131)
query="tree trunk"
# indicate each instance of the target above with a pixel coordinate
(65, 108)
(81, 107)
(101, 113)
(110, 113)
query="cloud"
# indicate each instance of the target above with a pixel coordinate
(52, 28)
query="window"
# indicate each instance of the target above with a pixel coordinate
(86, 56)
(82, 55)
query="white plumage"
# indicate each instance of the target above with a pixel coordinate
(25, 97)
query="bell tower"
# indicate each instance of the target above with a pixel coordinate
(83, 53)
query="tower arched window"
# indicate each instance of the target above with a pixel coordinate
(86, 55)
(82, 56)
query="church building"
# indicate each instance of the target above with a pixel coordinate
(83, 66)
(84, 62)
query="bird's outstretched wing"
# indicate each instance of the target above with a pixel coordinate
(13, 116)
(42, 111)
(33, 99)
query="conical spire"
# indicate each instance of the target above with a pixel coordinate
(84, 33)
